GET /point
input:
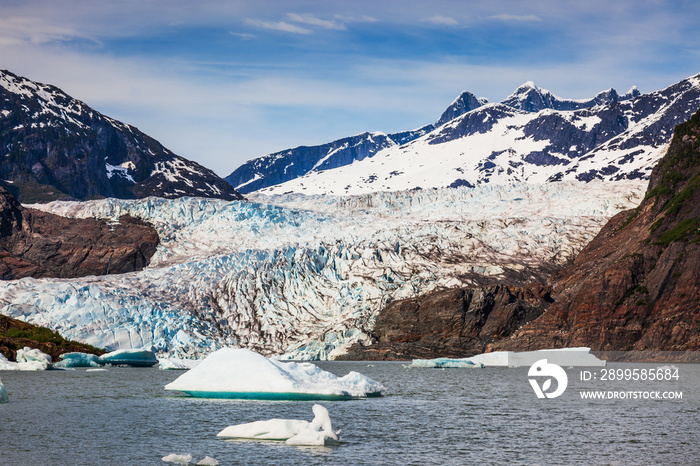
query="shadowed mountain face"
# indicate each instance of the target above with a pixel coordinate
(39, 244)
(635, 286)
(54, 147)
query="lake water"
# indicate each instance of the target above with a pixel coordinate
(429, 416)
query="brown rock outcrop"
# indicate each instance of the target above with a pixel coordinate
(636, 286)
(451, 323)
(39, 244)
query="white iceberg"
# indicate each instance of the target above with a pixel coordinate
(177, 364)
(130, 357)
(446, 363)
(207, 461)
(293, 431)
(569, 357)
(3, 393)
(76, 359)
(241, 373)
(32, 360)
(177, 459)
(6, 365)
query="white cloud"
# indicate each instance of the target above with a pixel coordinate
(508, 17)
(278, 26)
(442, 20)
(312, 20)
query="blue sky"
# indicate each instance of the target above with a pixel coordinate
(221, 82)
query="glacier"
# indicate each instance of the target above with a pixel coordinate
(239, 373)
(303, 277)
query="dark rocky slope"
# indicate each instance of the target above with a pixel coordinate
(55, 146)
(39, 244)
(636, 286)
(15, 335)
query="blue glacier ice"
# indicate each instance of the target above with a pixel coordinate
(303, 277)
(77, 359)
(239, 373)
(3, 393)
(450, 363)
(129, 357)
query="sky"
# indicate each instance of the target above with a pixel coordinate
(224, 81)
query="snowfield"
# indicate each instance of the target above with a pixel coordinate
(303, 277)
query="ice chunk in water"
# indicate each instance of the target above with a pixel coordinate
(241, 373)
(177, 459)
(177, 364)
(3, 394)
(293, 431)
(6, 365)
(78, 360)
(207, 461)
(32, 360)
(446, 363)
(130, 357)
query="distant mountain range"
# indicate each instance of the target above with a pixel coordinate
(53, 146)
(531, 136)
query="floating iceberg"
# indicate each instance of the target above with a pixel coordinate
(241, 373)
(130, 357)
(177, 459)
(207, 461)
(177, 364)
(32, 360)
(3, 394)
(78, 360)
(573, 357)
(6, 365)
(446, 363)
(293, 431)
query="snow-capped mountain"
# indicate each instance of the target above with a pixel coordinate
(305, 276)
(53, 146)
(532, 136)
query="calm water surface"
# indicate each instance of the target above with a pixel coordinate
(430, 416)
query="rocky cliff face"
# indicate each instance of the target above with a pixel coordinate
(54, 147)
(451, 323)
(39, 244)
(635, 286)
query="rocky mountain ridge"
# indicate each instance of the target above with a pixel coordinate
(531, 136)
(53, 146)
(634, 287)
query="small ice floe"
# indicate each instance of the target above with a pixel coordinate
(129, 357)
(77, 359)
(442, 363)
(177, 364)
(3, 394)
(318, 432)
(96, 370)
(207, 461)
(177, 459)
(32, 360)
(187, 459)
(571, 357)
(243, 374)
(6, 365)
